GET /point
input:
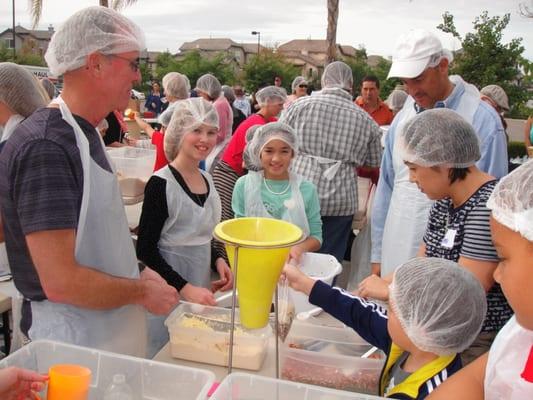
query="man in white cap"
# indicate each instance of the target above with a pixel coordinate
(400, 212)
(335, 136)
(67, 236)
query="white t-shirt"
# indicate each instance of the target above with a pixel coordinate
(510, 356)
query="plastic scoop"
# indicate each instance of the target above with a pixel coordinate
(304, 315)
(68, 381)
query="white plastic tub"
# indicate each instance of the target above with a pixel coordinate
(331, 357)
(317, 266)
(149, 380)
(193, 337)
(239, 386)
(134, 166)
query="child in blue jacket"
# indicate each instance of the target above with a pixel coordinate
(436, 309)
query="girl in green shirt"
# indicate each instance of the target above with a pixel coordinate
(271, 190)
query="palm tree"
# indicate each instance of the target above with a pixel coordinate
(36, 7)
(331, 36)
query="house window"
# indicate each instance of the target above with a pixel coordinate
(10, 43)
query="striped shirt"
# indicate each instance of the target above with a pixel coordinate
(329, 125)
(472, 239)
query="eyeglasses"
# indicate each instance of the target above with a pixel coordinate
(302, 86)
(135, 65)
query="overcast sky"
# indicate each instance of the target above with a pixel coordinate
(373, 24)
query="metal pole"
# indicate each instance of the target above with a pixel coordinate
(276, 306)
(233, 306)
(14, 36)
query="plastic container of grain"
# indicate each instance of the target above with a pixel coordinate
(330, 357)
(322, 267)
(240, 386)
(201, 333)
(148, 380)
(133, 166)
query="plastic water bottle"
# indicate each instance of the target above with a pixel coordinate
(119, 389)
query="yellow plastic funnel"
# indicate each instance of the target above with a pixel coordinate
(263, 245)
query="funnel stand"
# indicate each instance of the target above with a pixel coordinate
(233, 306)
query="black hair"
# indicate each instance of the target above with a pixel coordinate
(371, 78)
(457, 174)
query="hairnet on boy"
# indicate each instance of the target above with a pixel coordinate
(93, 29)
(439, 137)
(177, 85)
(511, 201)
(269, 95)
(188, 115)
(266, 133)
(20, 90)
(440, 305)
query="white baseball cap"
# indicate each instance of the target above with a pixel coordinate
(413, 53)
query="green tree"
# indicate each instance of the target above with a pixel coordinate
(261, 70)
(484, 59)
(194, 65)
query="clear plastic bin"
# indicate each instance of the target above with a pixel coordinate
(149, 380)
(317, 266)
(330, 357)
(201, 333)
(134, 166)
(239, 386)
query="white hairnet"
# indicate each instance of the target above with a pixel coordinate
(396, 99)
(210, 85)
(511, 201)
(165, 117)
(299, 80)
(188, 115)
(269, 95)
(266, 133)
(247, 157)
(440, 305)
(337, 74)
(49, 87)
(93, 29)
(176, 85)
(439, 136)
(20, 90)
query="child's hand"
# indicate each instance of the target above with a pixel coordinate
(297, 279)
(296, 254)
(374, 287)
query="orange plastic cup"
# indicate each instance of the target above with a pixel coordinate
(68, 382)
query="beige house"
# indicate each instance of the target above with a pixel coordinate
(310, 55)
(34, 40)
(239, 53)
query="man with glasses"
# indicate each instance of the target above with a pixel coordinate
(371, 103)
(400, 211)
(334, 136)
(67, 236)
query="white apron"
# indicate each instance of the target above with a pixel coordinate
(185, 244)
(185, 241)
(294, 207)
(103, 242)
(508, 357)
(409, 208)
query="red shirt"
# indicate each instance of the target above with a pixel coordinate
(233, 153)
(160, 158)
(382, 115)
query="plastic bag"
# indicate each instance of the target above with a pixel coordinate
(286, 309)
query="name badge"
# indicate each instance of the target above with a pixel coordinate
(449, 239)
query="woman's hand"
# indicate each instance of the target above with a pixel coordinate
(374, 287)
(297, 279)
(296, 253)
(20, 384)
(226, 276)
(200, 295)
